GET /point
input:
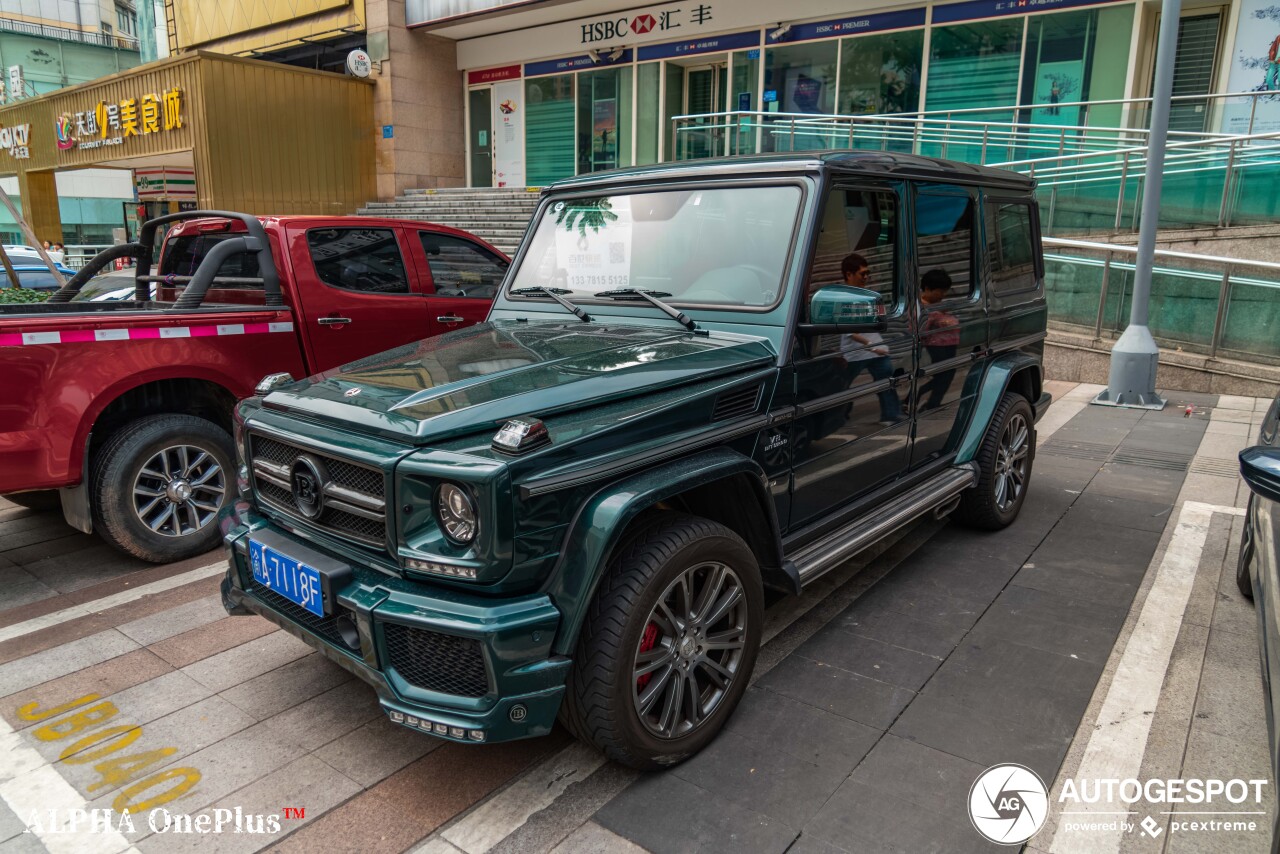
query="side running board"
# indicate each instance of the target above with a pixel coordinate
(828, 552)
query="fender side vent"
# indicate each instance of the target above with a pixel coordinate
(736, 403)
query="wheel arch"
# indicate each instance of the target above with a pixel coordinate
(1017, 372)
(720, 484)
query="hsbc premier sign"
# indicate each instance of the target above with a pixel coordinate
(674, 20)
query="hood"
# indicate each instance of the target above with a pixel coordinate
(477, 378)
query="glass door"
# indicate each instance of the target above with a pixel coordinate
(704, 93)
(604, 119)
(480, 136)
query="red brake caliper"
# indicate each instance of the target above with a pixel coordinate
(647, 642)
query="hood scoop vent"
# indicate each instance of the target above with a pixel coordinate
(736, 403)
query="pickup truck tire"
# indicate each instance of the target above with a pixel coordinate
(158, 483)
(1004, 461)
(643, 620)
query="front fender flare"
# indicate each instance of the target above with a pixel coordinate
(601, 522)
(994, 384)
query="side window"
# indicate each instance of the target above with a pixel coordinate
(944, 245)
(358, 259)
(857, 246)
(461, 268)
(1010, 247)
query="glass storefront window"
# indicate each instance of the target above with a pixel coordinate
(548, 132)
(648, 112)
(881, 73)
(744, 95)
(972, 66)
(800, 78)
(604, 119)
(673, 107)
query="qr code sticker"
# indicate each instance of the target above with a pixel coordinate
(617, 253)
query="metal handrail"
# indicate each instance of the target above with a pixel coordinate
(1227, 281)
(70, 34)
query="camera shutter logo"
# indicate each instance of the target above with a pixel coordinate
(1008, 804)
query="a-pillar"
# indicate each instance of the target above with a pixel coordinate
(39, 193)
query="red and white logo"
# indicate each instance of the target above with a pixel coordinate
(642, 24)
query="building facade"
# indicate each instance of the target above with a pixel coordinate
(558, 89)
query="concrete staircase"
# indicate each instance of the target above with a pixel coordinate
(496, 215)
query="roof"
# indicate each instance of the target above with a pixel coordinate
(878, 163)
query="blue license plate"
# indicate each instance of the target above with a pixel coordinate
(288, 577)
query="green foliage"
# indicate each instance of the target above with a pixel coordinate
(12, 295)
(585, 213)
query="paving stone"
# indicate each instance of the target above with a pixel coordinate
(190, 732)
(919, 774)
(1110, 551)
(330, 715)
(305, 783)
(807, 843)
(900, 630)
(25, 843)
(708, 823)
(801, 730)
(862, 817)
(222, 671)
(1099, 509)
(548, 828)
(174, 621)
(1230, 699)
(950, 612)
(376, 750)
(211, 639)
(10, 824)
(286, 686)
(1040, 630)
(867, 657)
(591, 838)
(103, 679)
(59, 661)
(755, 775)
(838, 691)
(1074, 584)
(1123, 480)
(23, 588)
(969, 734)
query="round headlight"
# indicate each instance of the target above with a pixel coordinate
(457, 513)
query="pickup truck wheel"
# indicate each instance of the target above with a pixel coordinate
(158, 485)
(669, 643)
(1004, 462)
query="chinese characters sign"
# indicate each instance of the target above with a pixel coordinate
(112, 122)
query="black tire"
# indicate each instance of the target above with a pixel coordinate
(40, 499)
(982, 506)
(118, 474)
(603, 694)
(1244, 580)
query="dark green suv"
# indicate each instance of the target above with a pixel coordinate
(699, 381)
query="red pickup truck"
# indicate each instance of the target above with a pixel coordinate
(125, 405)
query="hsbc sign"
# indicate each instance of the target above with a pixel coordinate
(666, 20)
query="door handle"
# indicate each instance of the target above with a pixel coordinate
(450, 318)
(333, 321)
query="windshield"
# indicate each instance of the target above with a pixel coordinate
(711, 247)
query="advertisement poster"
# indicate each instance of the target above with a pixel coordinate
(508, 133)
(593, 243)
(1255, 67)
(1058, 82)
(604, 133)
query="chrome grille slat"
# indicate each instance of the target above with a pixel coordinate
(355, 505)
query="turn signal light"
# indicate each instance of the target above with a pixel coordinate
(520, 435)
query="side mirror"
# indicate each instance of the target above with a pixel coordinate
(843, 308)
(1260, 467)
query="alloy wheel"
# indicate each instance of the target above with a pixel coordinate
(1011, 462)
(691, 650)
(179, 490)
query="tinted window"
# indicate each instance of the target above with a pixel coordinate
(182, 256)
(461, 268)
(858, 226)
(39, 280)
(944, 241)
(358, 259)
(1010, 247)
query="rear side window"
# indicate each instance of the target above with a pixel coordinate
(358, 259)
(1011, 255)
(183, 254)
(944, 242)
(461, 268)
(36, 279)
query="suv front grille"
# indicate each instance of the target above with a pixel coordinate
(355, 505)
(436, 662)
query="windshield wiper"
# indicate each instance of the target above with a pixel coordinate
(554, 293)
(652, 297)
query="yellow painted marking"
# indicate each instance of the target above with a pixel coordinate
(31, 711)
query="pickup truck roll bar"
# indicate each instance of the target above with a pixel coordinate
(205, 275)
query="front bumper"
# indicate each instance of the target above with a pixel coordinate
(522, 685)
